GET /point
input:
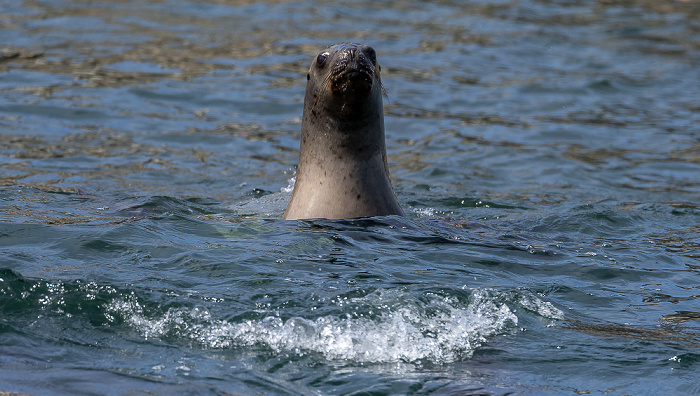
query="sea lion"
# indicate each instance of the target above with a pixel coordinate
(342, 170)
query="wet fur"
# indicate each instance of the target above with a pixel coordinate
(342, 169)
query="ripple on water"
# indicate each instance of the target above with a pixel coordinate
(411, 325)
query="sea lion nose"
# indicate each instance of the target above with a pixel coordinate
(355, 55)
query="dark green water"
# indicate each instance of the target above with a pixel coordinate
(547, 155)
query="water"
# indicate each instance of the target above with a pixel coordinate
(546, 154)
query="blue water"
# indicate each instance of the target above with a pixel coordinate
(546, 154)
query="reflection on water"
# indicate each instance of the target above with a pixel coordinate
(546, 154)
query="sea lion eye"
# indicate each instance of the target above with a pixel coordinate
(372, 55)
(321, 59)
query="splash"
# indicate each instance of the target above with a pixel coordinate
(424, 212)
(394, 326)
(290, 185)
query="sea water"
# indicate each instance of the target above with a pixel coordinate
(546, 155)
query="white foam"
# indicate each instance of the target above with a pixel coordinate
(424, 212)
(290, 185)
(397, 327)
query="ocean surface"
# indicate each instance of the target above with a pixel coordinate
(546, 153)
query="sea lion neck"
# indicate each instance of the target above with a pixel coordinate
(342, 170)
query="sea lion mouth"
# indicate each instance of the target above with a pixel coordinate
(352, 80)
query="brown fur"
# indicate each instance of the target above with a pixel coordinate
(342, 170)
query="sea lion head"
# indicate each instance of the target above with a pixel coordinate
(345, 79)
